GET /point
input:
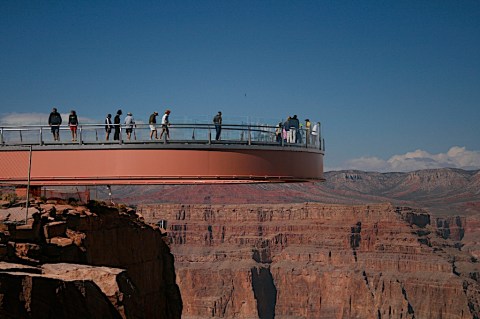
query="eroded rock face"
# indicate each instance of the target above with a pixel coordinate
(108, 262)
(66, 291)
(316, 261)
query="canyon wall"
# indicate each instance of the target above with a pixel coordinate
(85, 262)
(318, 261)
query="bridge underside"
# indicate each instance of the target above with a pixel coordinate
(130, 164)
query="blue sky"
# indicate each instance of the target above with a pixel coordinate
(391, 81)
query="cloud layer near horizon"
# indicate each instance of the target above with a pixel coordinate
(456, 157)
(16, 119)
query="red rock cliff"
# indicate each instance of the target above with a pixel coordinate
(95, 262)
(316, 261)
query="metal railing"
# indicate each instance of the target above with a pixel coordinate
(246, 134)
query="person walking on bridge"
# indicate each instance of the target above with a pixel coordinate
(165, 125)
(116, 124)
(55, 120)
(152, 121)
(217, 120)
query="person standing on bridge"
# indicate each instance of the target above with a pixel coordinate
(116, 125)
(152, 121)
(108, 126)
(73, 123)
(55, 120)
(217, 120)
(129, 124)
(165, 125)
(294, 129)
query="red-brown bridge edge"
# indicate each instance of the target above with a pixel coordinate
(124, 164)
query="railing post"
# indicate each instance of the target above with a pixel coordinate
(209, 135)
(41, 136)
(80, 135)
(305, 132)
(320, 135)
(1, 136)
(27, 204)
(249, 135)
(21, 137)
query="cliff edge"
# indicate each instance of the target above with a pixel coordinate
(316, 260)
(89, 261)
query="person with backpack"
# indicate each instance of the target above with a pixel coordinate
(152, 121)
(55, 120)
(73, 123)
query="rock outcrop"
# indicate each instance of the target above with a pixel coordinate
(104, 260)
(66, 291)
(317, 261)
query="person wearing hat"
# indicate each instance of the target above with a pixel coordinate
(129, 123)
(165, 125)
(116, 125)
(152, 121)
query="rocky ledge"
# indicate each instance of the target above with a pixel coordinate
(91, 261)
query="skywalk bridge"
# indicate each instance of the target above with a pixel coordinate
(245, 154)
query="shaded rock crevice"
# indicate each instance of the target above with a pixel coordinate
(264, 291)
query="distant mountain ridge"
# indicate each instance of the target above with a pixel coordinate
(439, 188)
(445, 191)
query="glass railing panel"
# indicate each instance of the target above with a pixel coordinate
(182, 133)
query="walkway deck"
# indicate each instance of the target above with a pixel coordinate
(245, 154)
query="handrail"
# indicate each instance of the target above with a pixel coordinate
(190, 133)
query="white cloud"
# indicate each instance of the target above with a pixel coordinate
(456, 157)
(16, 119)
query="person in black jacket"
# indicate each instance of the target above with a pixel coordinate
(55, 120)
(116, 124)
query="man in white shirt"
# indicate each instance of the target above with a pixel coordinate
(165, 125)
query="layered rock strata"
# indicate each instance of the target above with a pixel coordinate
(102, 259)
(316, 261)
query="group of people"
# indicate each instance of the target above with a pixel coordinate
(130, 125)
(290, 131)
(55, 120)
